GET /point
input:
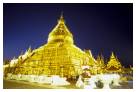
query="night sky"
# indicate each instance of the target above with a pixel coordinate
(102, 28)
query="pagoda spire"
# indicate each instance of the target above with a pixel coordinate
(60, 32)
(113, 63)
(100, 60)
(112, 55)
(29, 49)
(61, 20)
(61, 15)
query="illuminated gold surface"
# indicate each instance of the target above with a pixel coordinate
(60, 56)
(114, 64)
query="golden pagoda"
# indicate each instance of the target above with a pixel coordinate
(60, 56)
(100, 60)
(100, 64)
(113, 64)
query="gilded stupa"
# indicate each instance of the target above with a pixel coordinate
(60, 56)
(113, 64)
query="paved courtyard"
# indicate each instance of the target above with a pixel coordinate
(14, 84)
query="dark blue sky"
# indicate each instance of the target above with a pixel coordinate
(99, 27)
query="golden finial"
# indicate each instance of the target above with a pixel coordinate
(61, 16)
(61, 20)
(112, 53)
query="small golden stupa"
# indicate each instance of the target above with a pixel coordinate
(113, 65)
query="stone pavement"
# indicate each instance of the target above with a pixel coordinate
(14, 84)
